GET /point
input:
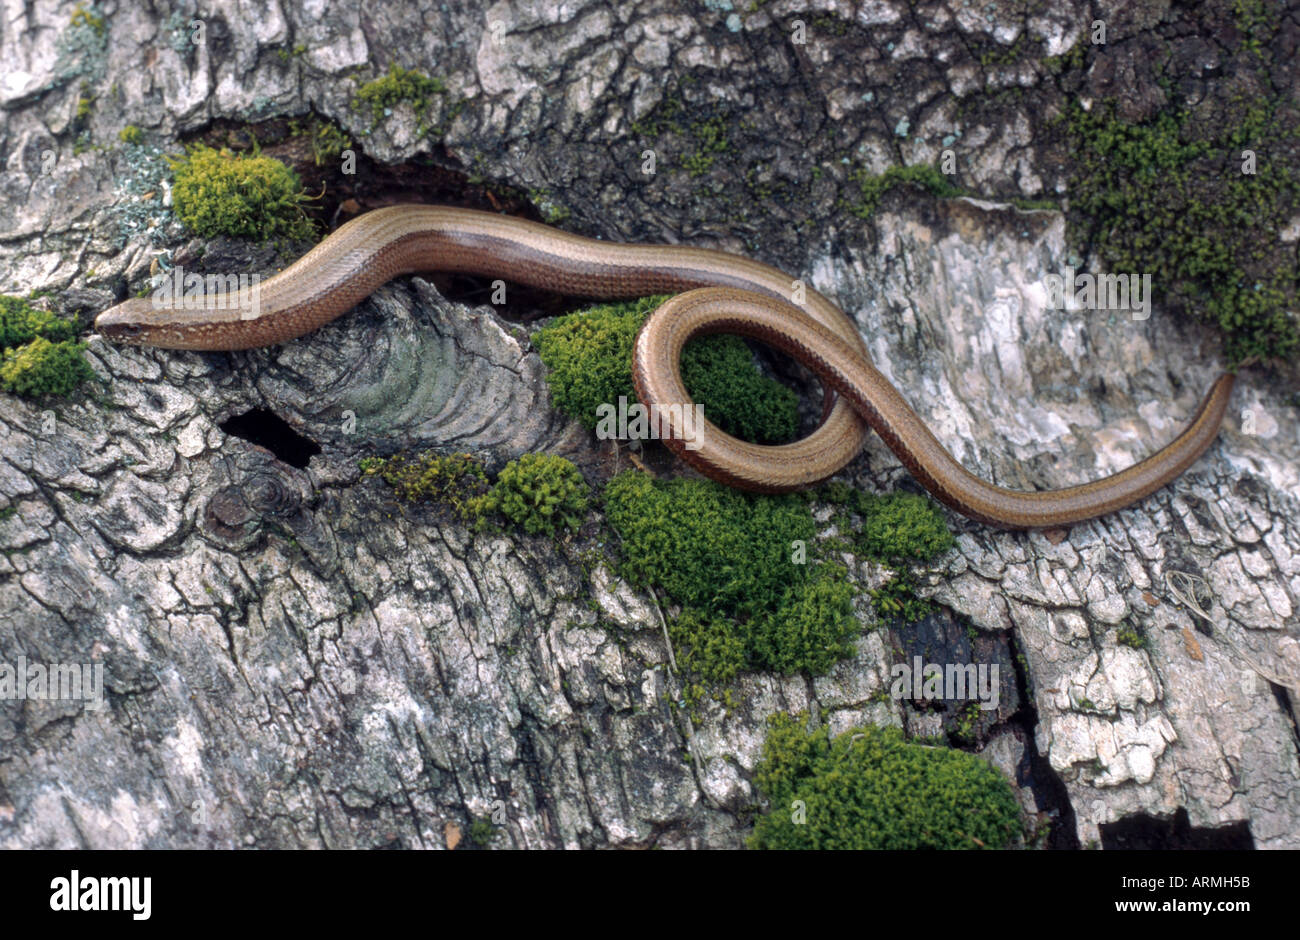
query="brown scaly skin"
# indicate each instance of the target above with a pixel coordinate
(739, 296)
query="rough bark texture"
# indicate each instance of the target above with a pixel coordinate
(294, 660)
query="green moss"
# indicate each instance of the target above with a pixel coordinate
(1072, 60)
(873, 187)
(1168, 198)
(1003, 55)
(588, 356)
(701, 140)
(217, 192)
(891, 528)
(401, 85)
(871, 789)
(811, 629)
(542, 493)
(813, 626)
(1131, 636)
(663, 117)
(481, 832)
(21, 323)
(710, 139)
(726, 558)
(708, 546)
(901, 527)
(85, 102)
(43, 368)
(40, 355)
(1256, 22)
(287, 54)
(553, 212)
(327, 140)
(719, 373)
(87, 19)
(131, 135)
(744, 570)
(539, 492)
(896, 600)
(455, 480)
(966, 721)
(710, 647)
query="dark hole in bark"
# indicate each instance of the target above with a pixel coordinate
(1141, 831)
(267, 429)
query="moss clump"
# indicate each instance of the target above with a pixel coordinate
(1131, 636)
(44, 368)
(873, 187)
(588, 356)
(870, 789)
(327, 139)
(711, 647)
(540, 492)
(891, 528)
(896, 600)
(21, 323)
(711, 139)
(709, 546)
(404, 85)
(40, 355)
(1169, 198)
(455, 480)
(901, 526)
(727, 558)
(481, 832)
(85, 102)
(131, 135)
(812, 627)
(87, 19)
(399, 85)
(217, 192)
(552, 211)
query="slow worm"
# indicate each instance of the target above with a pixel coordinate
(742, 297)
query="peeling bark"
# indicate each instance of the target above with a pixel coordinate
(293, 660)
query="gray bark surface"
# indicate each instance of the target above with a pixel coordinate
(293, 659)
